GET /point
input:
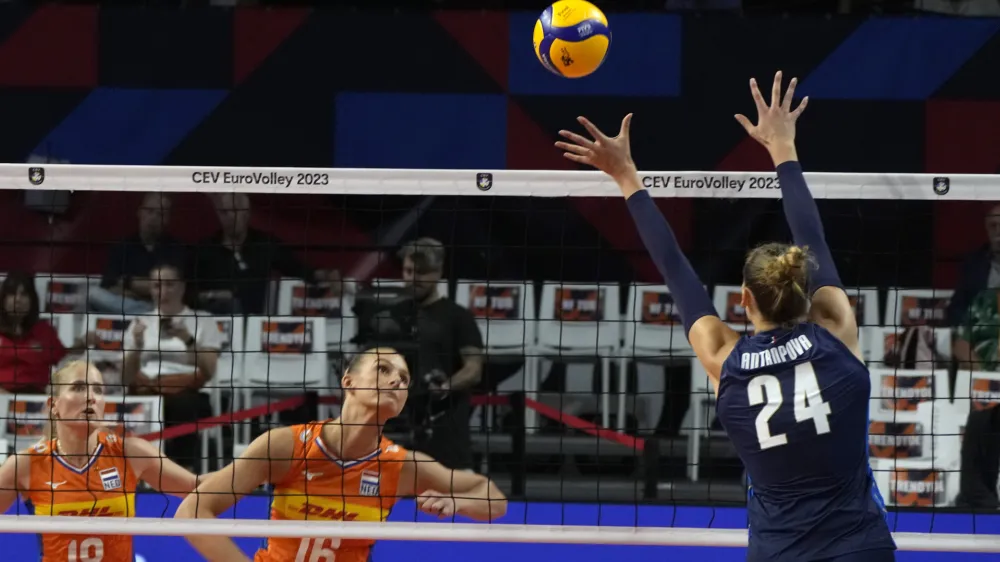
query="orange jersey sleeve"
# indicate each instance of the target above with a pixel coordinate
(105, 487)
(321, 487)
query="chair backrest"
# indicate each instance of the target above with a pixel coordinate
(895, 390)
(384, 282)
(727, 303)
(579, 316)
(916, 482)
(230, 368)
(504, 311)
(67, 326)
(917, 307)
(905, 434)
(286, 352)
(110, 331)
(652, 322)
(881, 341)
(62, 293)
(296, 299)
(140, 415)
(866, 308)
(25, 418)
(979, 390)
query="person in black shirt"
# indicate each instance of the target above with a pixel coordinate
(233, 268)
(449, 363)
(125, 287)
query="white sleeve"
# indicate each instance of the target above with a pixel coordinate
(128, 341)
(208, 334)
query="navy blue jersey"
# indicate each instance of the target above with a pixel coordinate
(795, 404)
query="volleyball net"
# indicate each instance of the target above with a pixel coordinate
(588, 410)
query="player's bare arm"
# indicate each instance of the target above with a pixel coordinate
(775, 130)
(158, 471)
(15, 474)
(711, 339)
(267, 459)
(444, 492)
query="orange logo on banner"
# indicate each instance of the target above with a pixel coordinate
(110, 333)
(310, 300)
(905, 393)
(658, 308)
(132, 415)
(735, 313)
(923, 312)
(27, 418)
(574, 305)
(286, 337)
(985, 393)
(916, 488)
(889, 440)
(64, 297)
(498, 303)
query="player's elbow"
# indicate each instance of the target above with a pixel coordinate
(496, 501)
(197, 506)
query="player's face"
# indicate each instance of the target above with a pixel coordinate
(79, 397)
(421, 283)
(383, 384)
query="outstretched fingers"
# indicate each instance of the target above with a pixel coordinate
(802, 107)
(592, 129)
(758, 99)
(786, 103)
(776, 90)
(747, 124)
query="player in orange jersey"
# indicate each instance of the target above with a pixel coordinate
(85, 469)
(340, 470)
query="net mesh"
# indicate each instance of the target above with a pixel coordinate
(578, 395)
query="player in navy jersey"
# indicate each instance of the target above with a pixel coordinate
(794, 395)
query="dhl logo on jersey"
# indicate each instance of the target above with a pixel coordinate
(575, 305)
(286, 337)
(64, 297)
(28, 417)
(110, 333)
(901, 392)
(985, 393)
(119, 506)
(658, 308)
(919, 311)
(313, 300)
(889, 440)
(917, 488)
(497, 303)
(296, 505)
(735, 313)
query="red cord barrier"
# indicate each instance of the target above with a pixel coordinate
(544, 410)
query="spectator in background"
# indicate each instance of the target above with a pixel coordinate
(449, 363)
(233, 268)
(125, 288)
(173, 353)
(29, 346)
(974, 313)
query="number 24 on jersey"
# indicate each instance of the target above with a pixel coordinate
(808, 403)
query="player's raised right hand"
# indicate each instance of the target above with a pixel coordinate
(611, 155)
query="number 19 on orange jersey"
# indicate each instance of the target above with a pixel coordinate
(317, 550)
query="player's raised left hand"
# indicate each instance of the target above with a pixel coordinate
(611, 155)
(436, 503)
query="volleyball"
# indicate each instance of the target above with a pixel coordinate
(571, 38)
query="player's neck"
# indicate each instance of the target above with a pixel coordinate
(73, 447)
(352, 438)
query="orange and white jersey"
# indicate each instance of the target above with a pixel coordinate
(105, 487)
(320, 487)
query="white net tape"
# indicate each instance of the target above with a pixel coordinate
(744, 185)
(451, 532)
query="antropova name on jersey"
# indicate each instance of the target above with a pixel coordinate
(714, 182)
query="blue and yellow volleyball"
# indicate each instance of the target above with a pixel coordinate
(572, 38)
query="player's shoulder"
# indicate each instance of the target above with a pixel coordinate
(391, 450)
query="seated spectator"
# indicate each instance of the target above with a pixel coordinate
(173, 352)
(125, 288)
(29, 346)
(974, 312)
(233, 268)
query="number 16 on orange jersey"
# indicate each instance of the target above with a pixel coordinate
(317, 550)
